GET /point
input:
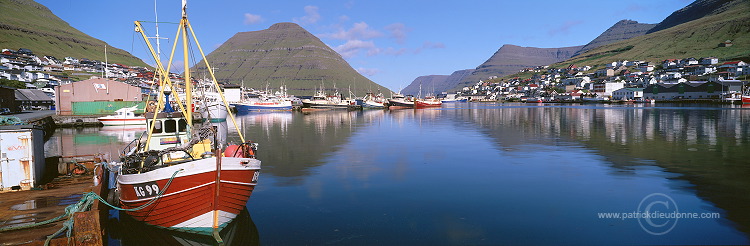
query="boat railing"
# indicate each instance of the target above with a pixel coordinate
(133, 146)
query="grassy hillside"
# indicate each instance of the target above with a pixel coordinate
(285, 54)
(697, 38)
(27, 24)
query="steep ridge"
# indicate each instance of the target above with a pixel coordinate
(30, 25)
(697, 38)
(694, 11)
(622, 30)
(509, 59)
(434, 84)
(285, 54)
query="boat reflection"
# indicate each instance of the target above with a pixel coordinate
(127, 231)
(125, 133)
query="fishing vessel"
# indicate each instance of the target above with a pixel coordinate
(262, 104)
(746, 96)
(260, 101)
(428, 101)
(123, 116)
(372, 101)
(455, 100)
(399, 100)
(210, 106)
(178, 175)
(322, 101)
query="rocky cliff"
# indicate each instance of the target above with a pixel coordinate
(622, 30)
(434, 84)
(509, 59)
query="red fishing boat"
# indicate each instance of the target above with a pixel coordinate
(179, 175)
(428, 102)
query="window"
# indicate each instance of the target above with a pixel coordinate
(157, 126)
(170, 126)
(183, 125)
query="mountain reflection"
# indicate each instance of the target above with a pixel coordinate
(705, 146)
(291, 143)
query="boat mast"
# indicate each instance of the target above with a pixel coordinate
(186, 63)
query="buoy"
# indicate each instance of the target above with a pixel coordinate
(233, 151)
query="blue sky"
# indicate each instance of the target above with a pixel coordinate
(390, 42)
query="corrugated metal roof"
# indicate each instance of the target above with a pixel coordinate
(31, 95)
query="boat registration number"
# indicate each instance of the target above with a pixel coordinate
(146, 190)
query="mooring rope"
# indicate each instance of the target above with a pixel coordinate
(82, 205)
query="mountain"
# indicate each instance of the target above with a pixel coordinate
(622, 30)
(695, 38)
(434, 84)
(285, 54)
(694, 11)
(30, 25)
(509, 59)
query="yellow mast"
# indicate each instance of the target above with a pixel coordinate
(181, 31)
(166, 82)
(213, 77)
(186, 62)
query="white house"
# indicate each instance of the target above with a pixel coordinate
(628, 94)
(708, 60)
(606, 89)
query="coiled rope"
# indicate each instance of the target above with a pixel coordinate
(83, 205)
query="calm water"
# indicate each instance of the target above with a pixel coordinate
(491, 174)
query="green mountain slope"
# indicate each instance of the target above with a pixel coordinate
(285, 54)
(696, 38)
(27, 24)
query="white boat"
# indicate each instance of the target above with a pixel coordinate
(123, 116)
(454, 100)
(372, 101)
(323, 101)
(260, 101)
(399, 100)
(210, 106)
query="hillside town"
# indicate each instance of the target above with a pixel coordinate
(704, 79)
(39, 75)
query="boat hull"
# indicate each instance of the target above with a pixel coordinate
(190, 203)
(246, 107)
(215, 113)
(401, 103)
(373, 105)
(112, 121)
(427, 104)
(454, 100)
(327, 105)
(745, 99)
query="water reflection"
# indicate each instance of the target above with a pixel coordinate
(475, 173)
(90, 141)
(123, 134)
(127, 231)
(706, 146)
